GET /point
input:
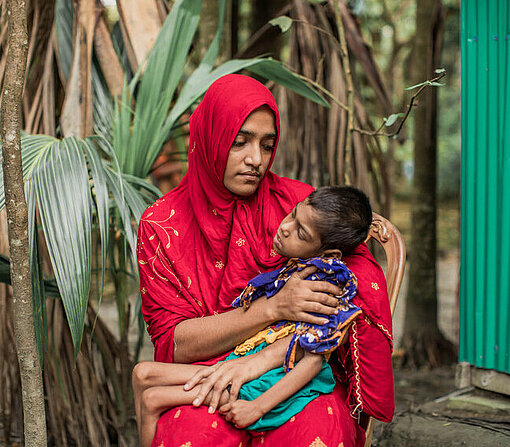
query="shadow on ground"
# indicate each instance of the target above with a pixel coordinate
(431, 412)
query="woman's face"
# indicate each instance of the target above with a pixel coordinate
(250, 153)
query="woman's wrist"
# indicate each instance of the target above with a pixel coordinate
(268, 308)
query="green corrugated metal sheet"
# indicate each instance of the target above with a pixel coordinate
(485, 185)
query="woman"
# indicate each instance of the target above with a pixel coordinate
(200, 244)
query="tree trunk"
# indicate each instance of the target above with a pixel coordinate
(17, 218)
(270, 43)
(423, 342)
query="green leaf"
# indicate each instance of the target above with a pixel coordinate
(284, 22)
(138, 142)
(392, 119)
(440, 70)
(417, 85)
(197, 85)
(436, 84)
(100, 190)
(64, 28)
(62, 191)
(275, 71)
(38, 292)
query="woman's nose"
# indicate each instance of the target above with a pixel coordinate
(254, 156)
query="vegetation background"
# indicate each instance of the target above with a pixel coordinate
(108, 91)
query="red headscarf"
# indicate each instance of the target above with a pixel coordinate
(199, 245)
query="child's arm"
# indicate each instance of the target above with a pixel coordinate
(244, 413)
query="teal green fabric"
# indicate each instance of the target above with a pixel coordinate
(323, 383)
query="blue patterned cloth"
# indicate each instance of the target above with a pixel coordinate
(319, 339)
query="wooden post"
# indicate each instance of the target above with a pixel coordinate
(17, 224)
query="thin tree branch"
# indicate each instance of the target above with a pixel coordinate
(411, 104)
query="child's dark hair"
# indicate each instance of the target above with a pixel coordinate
(345, 216)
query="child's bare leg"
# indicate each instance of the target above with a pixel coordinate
(156, 399)
(153, 374)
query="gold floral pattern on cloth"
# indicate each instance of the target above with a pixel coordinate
(330, 410)
(317, 442)
(215, 212)
(375, 286)
(187, 444)
(273, 253)
(214, 424)
(240, 242)
(163, 244)
(219, 265)
(292, 419)
(341, 444)
(177, 414)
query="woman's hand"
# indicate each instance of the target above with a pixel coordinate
(231, 374)
(298, 298)
(241, 413)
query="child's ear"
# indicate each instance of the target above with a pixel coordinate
(331, 253)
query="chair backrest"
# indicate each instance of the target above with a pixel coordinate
(384, 232)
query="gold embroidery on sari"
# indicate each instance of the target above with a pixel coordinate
(330, 410)
(159, 253)
(357, 386)
(214, 424)
(317, 442)
(177, 414)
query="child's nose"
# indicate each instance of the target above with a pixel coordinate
(285, 229)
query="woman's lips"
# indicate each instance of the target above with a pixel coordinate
(249, 175)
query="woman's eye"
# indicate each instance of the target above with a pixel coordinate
(300, 235)
(239, 143)
(268, 147)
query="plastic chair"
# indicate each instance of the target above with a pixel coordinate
(384, 232)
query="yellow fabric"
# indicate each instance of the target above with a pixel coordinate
(268, 335)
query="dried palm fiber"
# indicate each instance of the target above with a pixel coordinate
(313, 141)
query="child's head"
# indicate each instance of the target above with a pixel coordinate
(332, 220)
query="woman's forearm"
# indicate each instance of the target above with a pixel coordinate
(199, 339)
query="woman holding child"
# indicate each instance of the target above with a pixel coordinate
(200, 244)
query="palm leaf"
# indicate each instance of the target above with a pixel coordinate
(62, 190)
(38, 294)
(101, 196)
(138, 141)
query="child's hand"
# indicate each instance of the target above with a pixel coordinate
(241, 413)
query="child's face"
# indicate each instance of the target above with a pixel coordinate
(296, 236)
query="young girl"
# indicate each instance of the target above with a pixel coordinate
(330, 222)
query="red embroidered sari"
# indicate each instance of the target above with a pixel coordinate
(199, 245)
